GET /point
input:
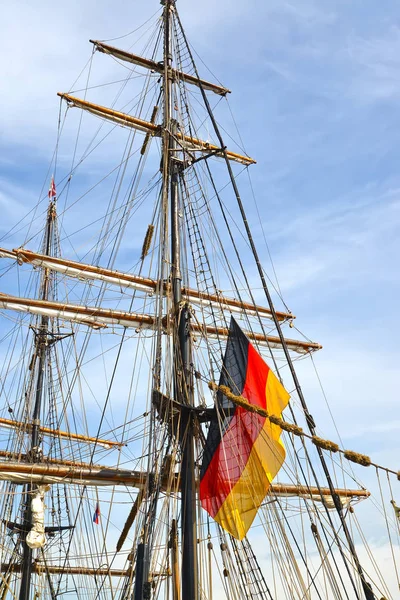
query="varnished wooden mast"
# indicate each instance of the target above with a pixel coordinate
(182, 341)
(42, 569)
(98, 475)
(40, 357)
(72, 268)
(159, 68)
(99, 318)
(190, 143)
(68, 435)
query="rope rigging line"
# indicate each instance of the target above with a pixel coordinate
(355, 457)
(134, 30)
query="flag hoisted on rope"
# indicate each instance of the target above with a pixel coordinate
(96, 516)
(243, 452)
(52, 188)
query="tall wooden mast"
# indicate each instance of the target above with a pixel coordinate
(183, 384)
(40, 352)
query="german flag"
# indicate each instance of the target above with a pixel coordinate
(243, 452)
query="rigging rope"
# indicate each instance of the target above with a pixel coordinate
(356, 457)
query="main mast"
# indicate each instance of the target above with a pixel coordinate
(182, 350)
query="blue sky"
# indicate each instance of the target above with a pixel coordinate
(316, 90)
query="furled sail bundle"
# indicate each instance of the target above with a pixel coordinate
(243, 452)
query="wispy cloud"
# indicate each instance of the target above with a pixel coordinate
(375, 63)
(340, 241)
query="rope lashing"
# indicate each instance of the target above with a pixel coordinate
(289, 427)
(360, 459)
(325, 444)
(396, 509)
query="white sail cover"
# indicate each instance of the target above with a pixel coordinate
(36, 537)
